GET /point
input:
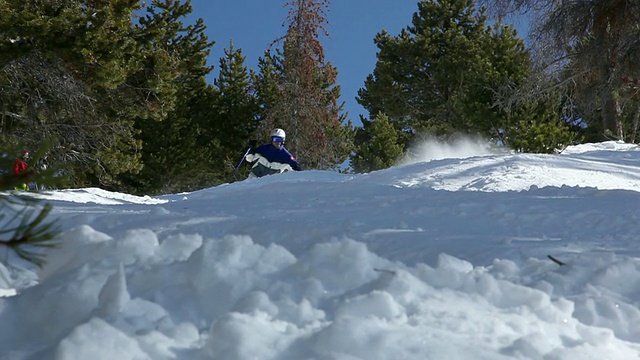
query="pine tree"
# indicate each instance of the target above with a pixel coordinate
(381, 148)
(307, 106)
(440, 75)
(238, 110)
(86, 73)
(590, 49)
(60, 66)
(266, 82)
(541, 125)
(173, 152)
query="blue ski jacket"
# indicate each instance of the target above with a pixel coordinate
(271, 160)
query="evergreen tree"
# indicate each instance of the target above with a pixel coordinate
(540, 136)
(541, 126)
(381, 149)
(440, 75)
(307, 106)
(61, 64)
(590, 49)
(86, 73)
(173, 150)
(238, 110)
(265, 84)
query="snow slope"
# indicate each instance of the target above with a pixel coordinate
(438, 259)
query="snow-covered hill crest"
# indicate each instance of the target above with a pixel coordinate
(443, 257)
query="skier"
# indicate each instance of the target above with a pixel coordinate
(271, 158)
(20, 166)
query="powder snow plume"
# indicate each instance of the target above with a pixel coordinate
(460, 148)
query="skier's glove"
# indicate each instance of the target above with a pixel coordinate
(253, 143)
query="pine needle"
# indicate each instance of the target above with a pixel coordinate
(32, 235)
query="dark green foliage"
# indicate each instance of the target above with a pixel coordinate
(541, 125)
(380, 149)
(175, 139)
(592, 48)
(238, 107)
(238, 112)
(113, 91)
(440, 75)
(266, 83)
(176, 153)
(64, 67)
(124, 93)
(39, 169)
(540, 136)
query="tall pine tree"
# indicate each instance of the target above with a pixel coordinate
(307, 106)
(238, 111)
(171, 145)
(266, 83)
(439, 75)
(63, 66)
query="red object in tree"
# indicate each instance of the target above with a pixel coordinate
(19, 166)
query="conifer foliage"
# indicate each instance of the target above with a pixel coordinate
(438, 76)
(63, 68)
(237, 116)
(120, 85)
(174, 152)
(380, 149)
(24, 225)
(590, 49)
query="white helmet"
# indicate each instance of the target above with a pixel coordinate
(279, 133)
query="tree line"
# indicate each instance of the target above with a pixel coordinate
(458, 69)
(113, 94)
(119, 91)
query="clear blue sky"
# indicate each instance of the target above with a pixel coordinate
(254, 24)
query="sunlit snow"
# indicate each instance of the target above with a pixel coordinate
(443, 257)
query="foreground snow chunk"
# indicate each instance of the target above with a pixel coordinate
(81, 343)
(230, 298)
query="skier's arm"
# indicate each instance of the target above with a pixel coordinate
(252, 145)
(291, 160)
(255, 153)
(296, 166)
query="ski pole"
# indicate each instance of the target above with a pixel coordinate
(243, 157)
(235, 172)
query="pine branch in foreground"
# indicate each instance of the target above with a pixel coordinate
(31, 236)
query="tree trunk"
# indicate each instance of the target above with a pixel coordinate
(611, 116)
(634, 128)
